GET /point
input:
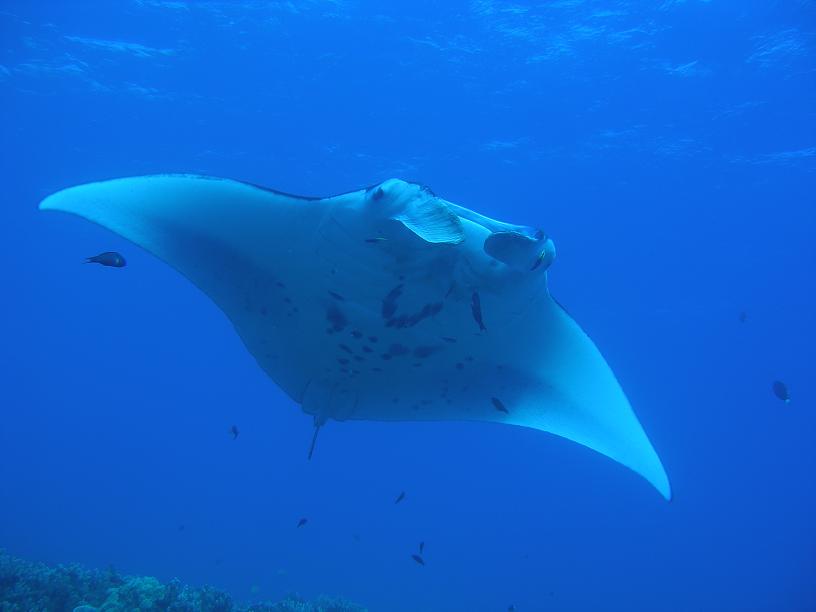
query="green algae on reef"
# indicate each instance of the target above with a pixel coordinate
(27, 586)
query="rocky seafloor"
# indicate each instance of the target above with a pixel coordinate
(27, 586)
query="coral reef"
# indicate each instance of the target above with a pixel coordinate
(35, 587)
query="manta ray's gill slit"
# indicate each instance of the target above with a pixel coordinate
(476, 310)
(499, 405)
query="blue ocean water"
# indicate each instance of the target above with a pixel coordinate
(669, 148)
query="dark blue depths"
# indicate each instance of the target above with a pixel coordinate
(668, 148)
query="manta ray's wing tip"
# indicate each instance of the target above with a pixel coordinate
(49, 202)
(70, 198)
(660, 481)
(646, 462)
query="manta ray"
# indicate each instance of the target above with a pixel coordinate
(385, 303)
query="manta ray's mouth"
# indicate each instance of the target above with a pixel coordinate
(521, 252)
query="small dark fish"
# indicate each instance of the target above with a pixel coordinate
(234, 432)
(400, 497)
(421, 547)
(375, 240)
(538, 260)
(743, 317)
(181, 527)
(108, 258)
(780, 390)
(418, 559)
(476, 309)
(302, 522)
(337, 296)
(511, 608)
(498, 405)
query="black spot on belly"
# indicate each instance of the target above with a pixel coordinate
(409, 320)
(397, 350)
(336, 317)
(389, 303)
(423, 352)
